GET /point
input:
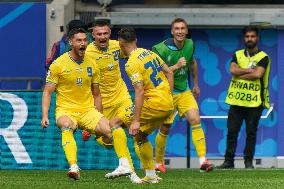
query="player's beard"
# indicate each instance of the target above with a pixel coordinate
(81, 52)
(250, 45)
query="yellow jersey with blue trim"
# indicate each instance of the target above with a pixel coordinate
(113, 88)
(144, 66)
(73, 82)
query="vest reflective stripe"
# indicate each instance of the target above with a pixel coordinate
(247, 93)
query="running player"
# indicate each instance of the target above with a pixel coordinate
(75, 78)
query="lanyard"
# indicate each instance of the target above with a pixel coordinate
(252, 63)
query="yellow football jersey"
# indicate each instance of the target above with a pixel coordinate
(73, 82)
(112, 87)
(146, 67)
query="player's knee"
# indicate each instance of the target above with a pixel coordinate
(141, 137)
(66, 126)
(165, 129)
(194, 120)
(192, 116)
(115, 122)
(103, 128)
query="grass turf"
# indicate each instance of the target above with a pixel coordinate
(182, 178)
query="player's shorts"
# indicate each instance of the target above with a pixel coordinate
(86, 120)
(123, 110)
(182, 103)
(151, 119)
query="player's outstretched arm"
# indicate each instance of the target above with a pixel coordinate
(169, 74)
(97, 97)
(46, 98)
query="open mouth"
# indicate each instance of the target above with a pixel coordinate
(180, 36)
(103, 42)
(82, 50)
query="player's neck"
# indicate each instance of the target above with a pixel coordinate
(252, 50)
(74, 56)
(130, 49)
(179, 44)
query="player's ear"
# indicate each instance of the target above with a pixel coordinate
(70, 42)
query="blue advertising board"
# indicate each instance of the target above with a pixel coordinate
(23, 39)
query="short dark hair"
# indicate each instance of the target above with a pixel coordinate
(177, 20)
(75, 31)
(75, 24)
(250, 29)
(101, 22)
(128, 34)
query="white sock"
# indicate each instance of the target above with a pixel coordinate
(74, 166)
(201, 160)
(150, 173)
(124, 162)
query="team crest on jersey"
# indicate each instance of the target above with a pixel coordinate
(79, 69)
(110, 66)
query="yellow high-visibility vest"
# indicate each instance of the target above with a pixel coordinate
(249, 93)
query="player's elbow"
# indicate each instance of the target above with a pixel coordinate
(139, 92)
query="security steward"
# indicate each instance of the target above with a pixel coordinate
(247, 96)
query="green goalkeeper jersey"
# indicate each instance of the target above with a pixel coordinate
(170, 54)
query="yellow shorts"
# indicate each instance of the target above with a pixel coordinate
(87, 120)
(151, 119)
(182, 103)
(123, 109)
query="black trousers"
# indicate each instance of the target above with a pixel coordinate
(235, 119)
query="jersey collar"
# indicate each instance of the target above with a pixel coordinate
(171, 44)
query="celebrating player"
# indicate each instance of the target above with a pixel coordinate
(177, 52)
(153, 100)
(116, 101)
(75, 77)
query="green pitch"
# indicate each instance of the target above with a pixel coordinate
(182, 178)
